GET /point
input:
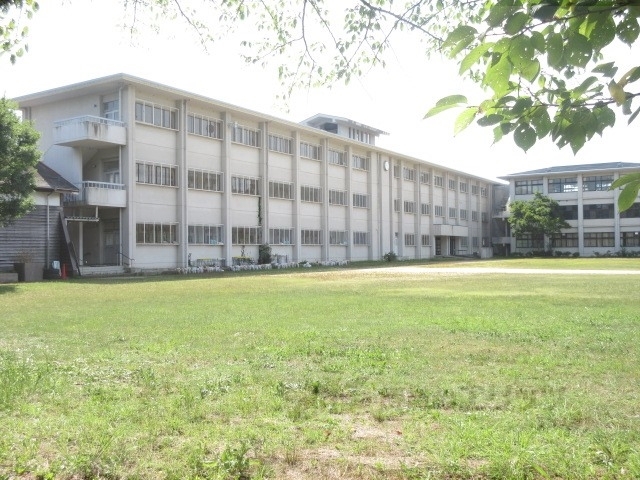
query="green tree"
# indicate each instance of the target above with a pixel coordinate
(539, 216)
(14, 16)
(18, 157)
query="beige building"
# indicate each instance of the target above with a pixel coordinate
(586, 202)
(169, 178)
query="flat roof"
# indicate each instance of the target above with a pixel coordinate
(585, 167)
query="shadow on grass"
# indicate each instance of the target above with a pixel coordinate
(10, 288)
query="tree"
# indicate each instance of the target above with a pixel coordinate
(539, 216)
(18, 157)
(14, 14)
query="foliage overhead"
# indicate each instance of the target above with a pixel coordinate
(539, 216)
(14, 14)
(18, 157)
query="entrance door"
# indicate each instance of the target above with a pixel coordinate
(452, 245)
(438, 245)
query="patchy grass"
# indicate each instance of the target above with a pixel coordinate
(322, 374)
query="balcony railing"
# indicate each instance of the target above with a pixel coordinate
(99, 194)
(89, 131)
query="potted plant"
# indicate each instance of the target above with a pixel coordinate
(27, 268)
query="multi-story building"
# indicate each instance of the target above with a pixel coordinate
(169, 178)
(586, 202)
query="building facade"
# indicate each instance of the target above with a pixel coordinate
(169, 179)
(586, 202)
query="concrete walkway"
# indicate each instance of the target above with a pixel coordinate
(483, 270)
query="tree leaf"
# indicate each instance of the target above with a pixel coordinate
(578, 50)
(490, 119)
(633, 116)
(524, 136)
(607, 69)
(515, 23)
(464, 119)
(617, 92)
(446, 103)
(555, 50)
(624, 180)
(628, 195)
(474, 55)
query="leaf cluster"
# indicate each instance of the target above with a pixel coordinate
(538, 216)
(18, 157)
(14, 15)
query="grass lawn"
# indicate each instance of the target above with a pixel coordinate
(315, 374)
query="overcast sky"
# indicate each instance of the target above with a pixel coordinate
(73, 41)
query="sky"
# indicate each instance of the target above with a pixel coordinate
(76, 40)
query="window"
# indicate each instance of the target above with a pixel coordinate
(204, 180)
(359, 135)
(310, 194)
(361, 238)
(565, 240)
(337, 158)
(425, 209)
(396, 204)
(528, 240)
(474, 189)
(280, 236)
(452, 212)
(528, 187)
(599, 239)
(597, 211)
(409, 207)
(111, 109)
(360, 163)
(424, 177)
(308, 150)
(338, 197)
(361, 200)
(632, 212)
(284, 190)
(245, 136)
(484, 192)
(156, 174)
(437, 210)
(205, 235)
(311, 237)
(463, 214)
(464, 243)
(474, 216)
(438, 181)
(464, 187)
(426, 240)
(484, 217)
(475, 241)
(630, 239)
(204, 126)
(246, 235)
(409, 174)
(563, 185)
(568, 212)
(452, 184)
(396, 170)
(597, 184)
(245, 185)
(280, 144)
(157, 233)
(409, 239)
(338, 237)
(157, 115)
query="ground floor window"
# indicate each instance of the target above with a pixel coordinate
(280, 236)
(565, 240)
(157, 233)
(630, 239)
(426, 240)
(409, 240)
(311, 237)
(599, 239)
(338, 237)
(529, 240)
(205, 234)
(361, 238)
(246, 235)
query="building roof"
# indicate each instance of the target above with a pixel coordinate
(119, 80)
(321, 118)
(588, 167)
(48, 180)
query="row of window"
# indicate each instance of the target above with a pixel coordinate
(597, 211)
(570, 240)
(564, 185)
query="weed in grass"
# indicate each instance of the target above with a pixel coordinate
(20, 378)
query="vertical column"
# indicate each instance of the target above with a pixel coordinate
(417, 223)
(127, 171)
(616, 213)
(296, 207)
(400, 198)
(324, 184)
(225, 162)
(370, 211)
(380, 203)
(264, 180)
(580, 218)
(183, 192)
(432, 238)
(349, 154)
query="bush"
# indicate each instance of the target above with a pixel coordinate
(264, 254)
(390, 256)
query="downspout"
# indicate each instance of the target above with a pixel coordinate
(46, 243)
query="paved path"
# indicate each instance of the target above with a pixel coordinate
(481, 270)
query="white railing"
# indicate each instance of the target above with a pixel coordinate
(89, 118)
(98, 193)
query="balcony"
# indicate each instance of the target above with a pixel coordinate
(89, 131)
(98, 194)
(501, 212)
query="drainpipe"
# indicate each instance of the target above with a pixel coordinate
(46, 243)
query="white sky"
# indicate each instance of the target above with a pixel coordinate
(75, 41)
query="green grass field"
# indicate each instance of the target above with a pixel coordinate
(315, 374)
